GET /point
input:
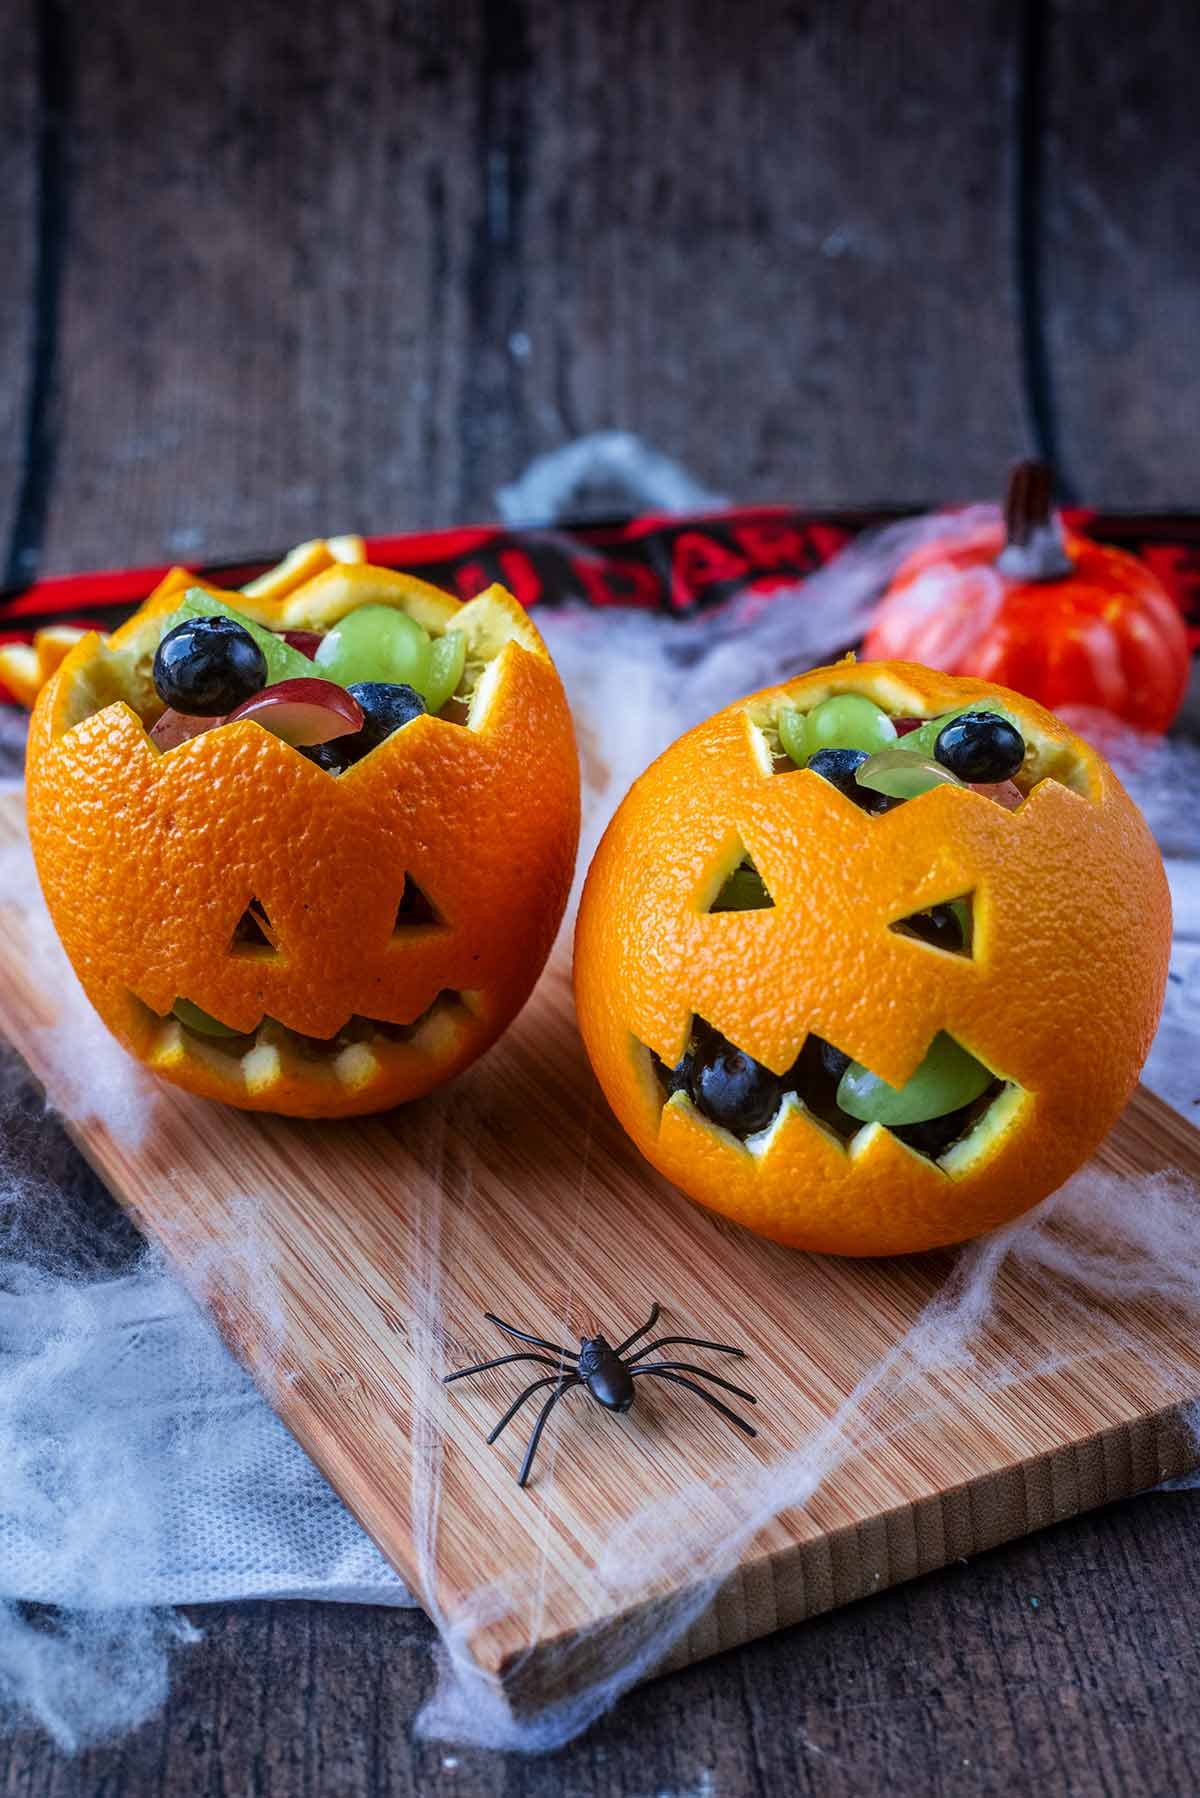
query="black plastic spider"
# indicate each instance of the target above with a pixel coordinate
(607, 1376)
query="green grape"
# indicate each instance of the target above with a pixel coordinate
(283, 662)
(200, 1021)
(375, 643)
(793, 734)
(743, 891)
(948, 1078)
(922, 740)
(849, 721)
(962, 912)
(902, 775)
(447, 659)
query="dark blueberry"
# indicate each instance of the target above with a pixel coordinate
(677, 1079)
(814, 1077)
(940, 926)
(386, 707)
(935, 1135)
(731, 1088)
(833, 1061)
(980, 746)
(207, 666)
(328, 755)
(839, 767)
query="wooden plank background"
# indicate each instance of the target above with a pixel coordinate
(285, 268)
(297, 266)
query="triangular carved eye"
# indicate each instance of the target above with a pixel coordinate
(415, 908)
(949, 926)
(743, 889)
(254, 934)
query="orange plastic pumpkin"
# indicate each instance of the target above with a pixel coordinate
(366, 936)
(1058, 997)
(1069, 622)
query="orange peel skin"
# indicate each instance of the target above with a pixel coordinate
(149, 860)
(1059, 996)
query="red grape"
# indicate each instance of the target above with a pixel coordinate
(303, 712)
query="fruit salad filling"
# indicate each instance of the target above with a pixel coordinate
(356, 1031)
(937, 1106)
(333, 695)
(879, 761)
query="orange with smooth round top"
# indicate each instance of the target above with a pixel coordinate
(1059, 996)
(150, 862)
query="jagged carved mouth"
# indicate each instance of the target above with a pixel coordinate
(356, 1054)
(952, 1102)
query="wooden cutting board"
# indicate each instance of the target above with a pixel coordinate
(324, 1251)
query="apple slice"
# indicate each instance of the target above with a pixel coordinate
(1004, 792)
(307, 642)
(174, 728)
(303, 712)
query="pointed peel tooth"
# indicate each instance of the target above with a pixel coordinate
(486, 689)
(168, 1047)
(227, 1064)
(357, 1065)
(682, 1123)
(262, 1067)
(437, 1031)
(824, 1148)
(870, 1139)
(980, 1142)
(761, 1141)
(760, 747)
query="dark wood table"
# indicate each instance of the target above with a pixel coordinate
(283, 269)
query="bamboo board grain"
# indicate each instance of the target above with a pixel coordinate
(316, 1246)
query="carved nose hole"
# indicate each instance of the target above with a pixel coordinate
(741, 889)
(415, 909)
(948, 926)
(254, 934)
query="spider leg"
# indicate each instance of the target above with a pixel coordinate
(500, 1361)
(678, 1380)
(722, 1348)
(552, 1380)
(649, 1324)
(691, 1367)
(539, 1426)
(537, 1341)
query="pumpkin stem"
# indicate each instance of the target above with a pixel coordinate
(1035, 547)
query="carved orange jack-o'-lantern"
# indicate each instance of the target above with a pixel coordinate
(1053, 990)
(356, 939)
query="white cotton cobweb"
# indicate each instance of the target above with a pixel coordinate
(606, 472)
(142, 1470)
